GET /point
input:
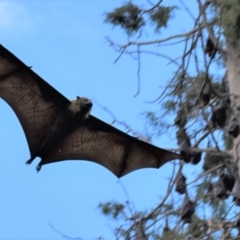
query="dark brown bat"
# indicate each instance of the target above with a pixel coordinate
(187, 209)
(58, 129)
(180, 180)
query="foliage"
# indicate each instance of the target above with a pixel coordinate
(229, 18)
(160, 15)
(132, 18)
(128, 17)
(111, 209)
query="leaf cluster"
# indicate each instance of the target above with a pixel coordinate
(111, 209)
(132, 18)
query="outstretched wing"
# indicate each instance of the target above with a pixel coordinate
(101, 143)
(33, 100)
(37, 105)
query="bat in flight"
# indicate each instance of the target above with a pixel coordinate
(58, 129)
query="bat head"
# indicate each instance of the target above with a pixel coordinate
(81, 105)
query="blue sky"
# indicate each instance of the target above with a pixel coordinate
(64, 42)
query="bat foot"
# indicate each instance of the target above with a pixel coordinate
(38, 168)
(29, 161)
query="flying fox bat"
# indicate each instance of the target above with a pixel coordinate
(58, 129)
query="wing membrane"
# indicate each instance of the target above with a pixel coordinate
(33, 100)
(101, 143)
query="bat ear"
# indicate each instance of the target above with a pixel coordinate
(78, 97)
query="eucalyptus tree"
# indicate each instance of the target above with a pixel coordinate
(203, 98)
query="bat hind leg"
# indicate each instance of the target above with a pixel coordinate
(30, 160)
(38, 168)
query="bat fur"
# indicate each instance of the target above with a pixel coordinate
(70, 118)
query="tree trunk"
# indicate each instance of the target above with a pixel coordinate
(233, 76)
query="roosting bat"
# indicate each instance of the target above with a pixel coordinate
(58, 129)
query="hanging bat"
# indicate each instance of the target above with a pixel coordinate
(58, 129)
(180, 180)
(219, 189)
(187, 210)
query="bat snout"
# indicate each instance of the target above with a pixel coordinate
(85, 106)
(86, 103)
